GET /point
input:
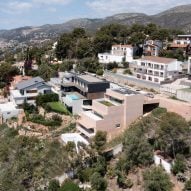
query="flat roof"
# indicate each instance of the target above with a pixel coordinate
(9, 106)
(158, 59)
(184, 35)
(122, 45)
(73, 137)
(92, 115)
(126, 91)
(89, 78)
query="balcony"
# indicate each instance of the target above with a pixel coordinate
(87, 132)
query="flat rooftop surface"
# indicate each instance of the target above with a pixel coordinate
(92, 115)
(126, 91)
(89, 78)
(9, 106)
(73, 137)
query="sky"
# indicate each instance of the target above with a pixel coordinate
(18, 13)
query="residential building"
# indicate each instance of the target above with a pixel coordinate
(28, 90)
(152, 47)
(78, 91)
(8, 110)
(113, 113)
(119, 53)
(157, 69)
(182, 42)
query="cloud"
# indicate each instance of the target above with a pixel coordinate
(17, 7)
(49, 2)
(103, 7)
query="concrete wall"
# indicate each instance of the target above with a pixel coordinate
(184, 95)
(166, 165)
(128, 80)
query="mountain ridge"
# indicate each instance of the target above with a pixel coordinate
(176, 18)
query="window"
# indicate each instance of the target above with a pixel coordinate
(31, 91)
(117, 125)
(150, 79)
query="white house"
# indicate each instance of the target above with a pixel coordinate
(157, 69)
(28, 91)
(8, 110)
(119, 53)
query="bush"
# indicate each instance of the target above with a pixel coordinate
(97, 182)
(99, 72)
(123, 182)
(39, 119)
(127, 71)
(69, 185)
(159, 111)
(179, 164)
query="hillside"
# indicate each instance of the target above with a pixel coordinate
(177, 18)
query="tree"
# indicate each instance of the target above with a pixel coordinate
(46, 72)
(99, 140)
(137, 150)
(97, 182)
(173, 134)
(155, 179)
(7, 72)
(54, 185)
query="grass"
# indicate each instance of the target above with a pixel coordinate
(107, 103)
(58, 107)
(186, 89)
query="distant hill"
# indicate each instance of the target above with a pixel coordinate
(177, 18)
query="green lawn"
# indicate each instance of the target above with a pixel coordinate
(58, 107)
(107, 103)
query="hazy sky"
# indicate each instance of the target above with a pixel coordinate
(17, 13)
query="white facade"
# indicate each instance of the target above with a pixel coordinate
(165, 164)
(75, 138)
(183, 39)
(8, 110)
(119, 53)
(157, 69)
(28, 91)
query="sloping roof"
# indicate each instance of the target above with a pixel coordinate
(158, 59)
(30, 82)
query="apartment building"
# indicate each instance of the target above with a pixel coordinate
(28, 90)
(119, 53)
(113, 113)
(157, 69)
(79, 90)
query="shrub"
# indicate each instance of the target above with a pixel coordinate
(179, 164)
(99, 72)
(42, 99)
(69, 185)
(39, 119)
(127, 71)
